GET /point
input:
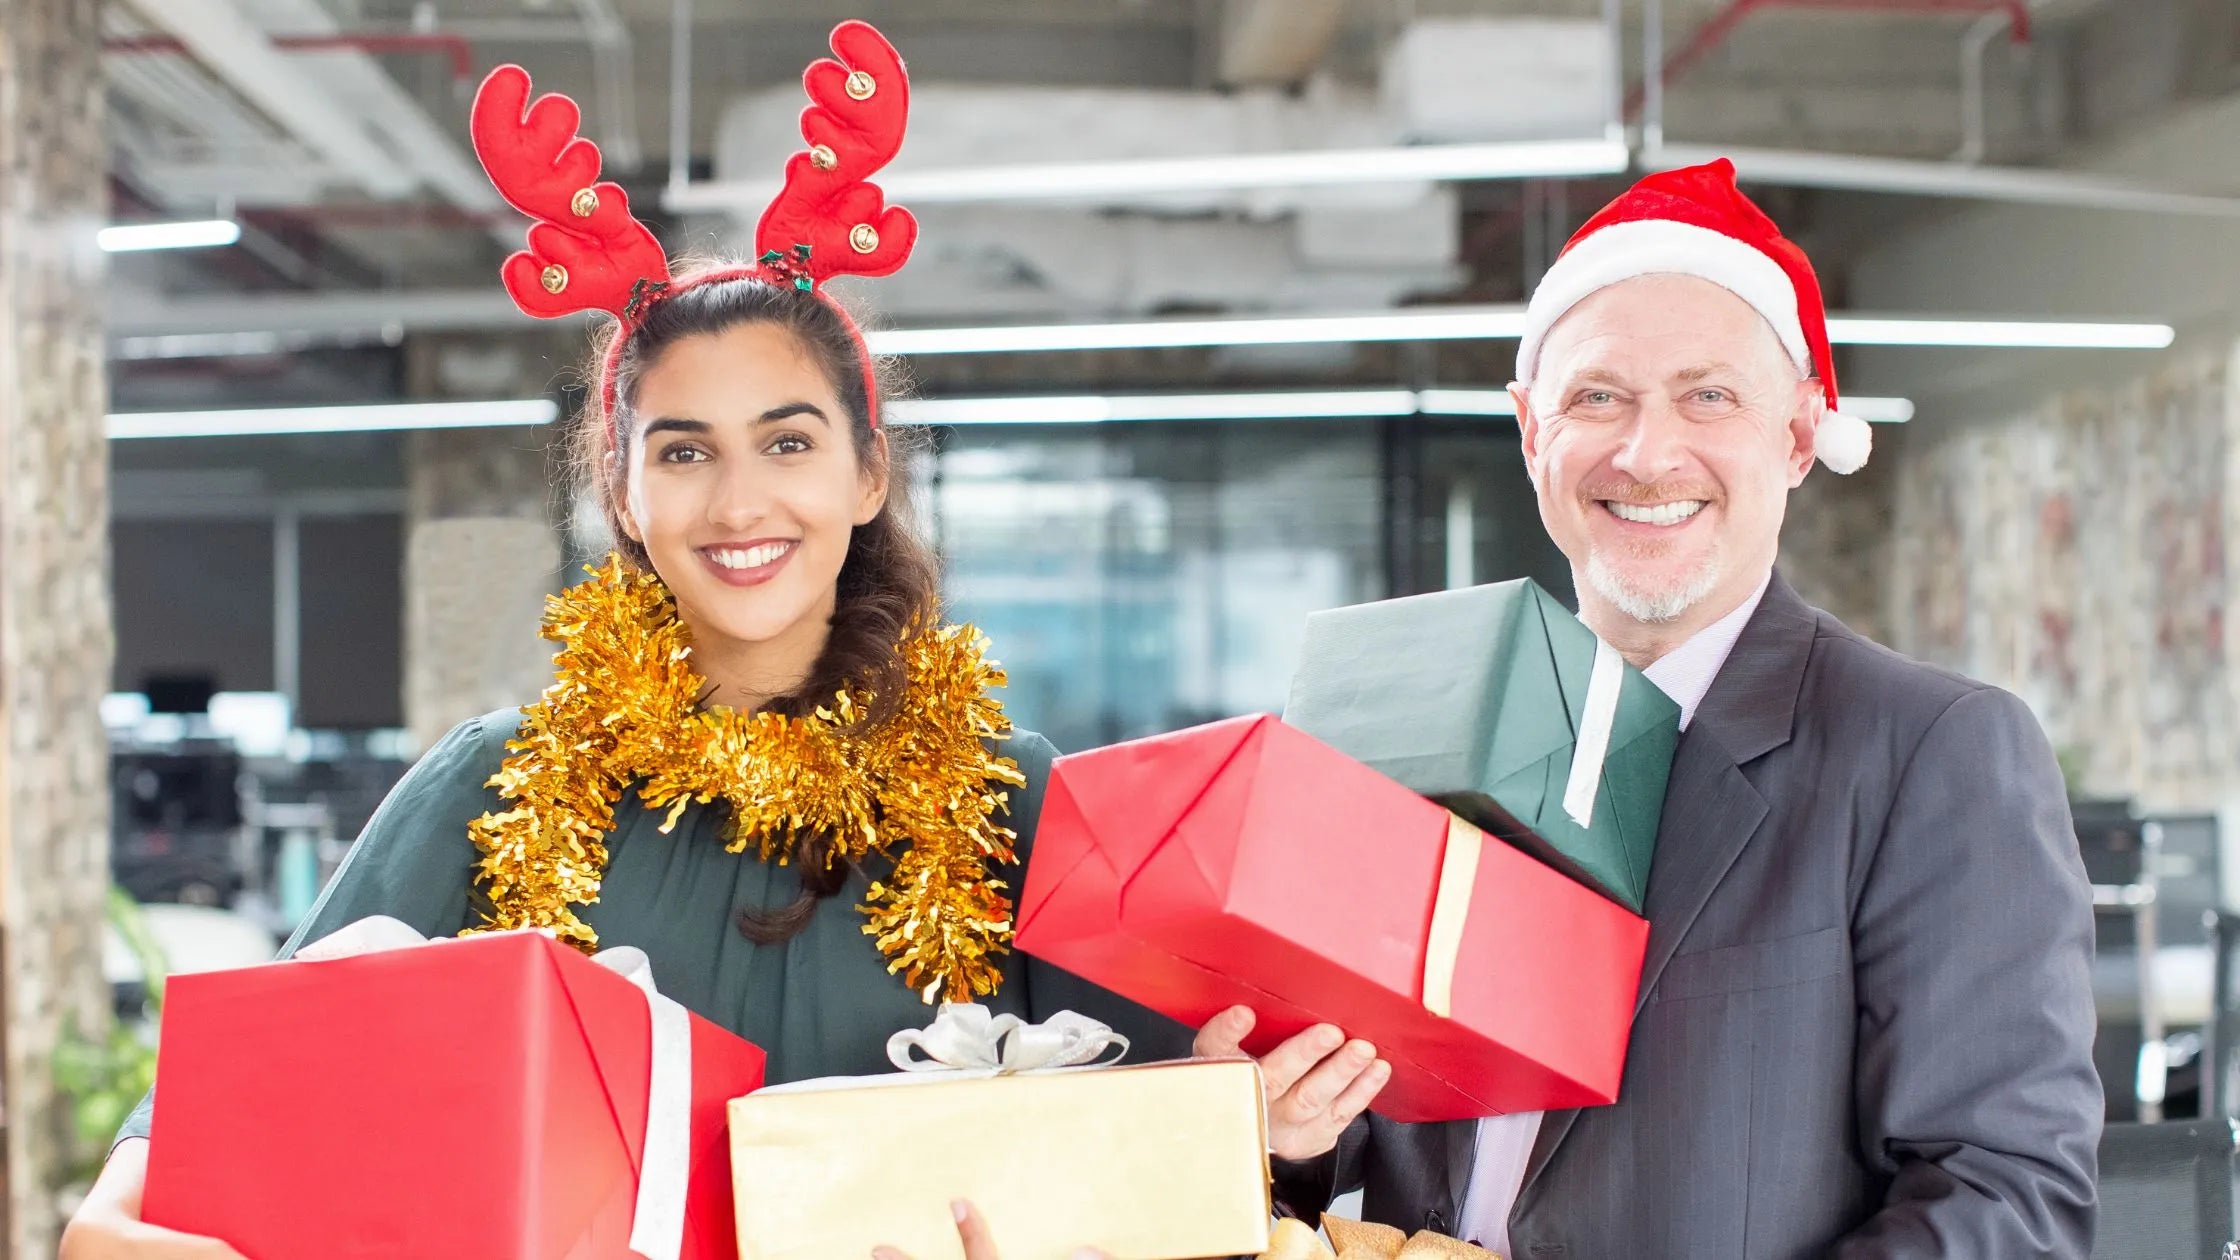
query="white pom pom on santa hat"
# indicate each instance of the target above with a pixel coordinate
(1843, 442)
(1695, 222)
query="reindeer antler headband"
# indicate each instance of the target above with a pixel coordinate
(588, 253)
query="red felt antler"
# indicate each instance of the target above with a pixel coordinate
(859, 107)
(586, 252)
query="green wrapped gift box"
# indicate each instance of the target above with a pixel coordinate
(1486, 700)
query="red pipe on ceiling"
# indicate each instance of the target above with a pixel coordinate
(456, 47)
(1722, 24)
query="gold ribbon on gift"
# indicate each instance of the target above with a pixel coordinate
(1450, 913)
(1358, 1240)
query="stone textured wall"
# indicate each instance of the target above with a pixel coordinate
(2077, 554)
(55, 637)
(481, 553)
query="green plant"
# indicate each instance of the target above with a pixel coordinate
(102, 1078)
(2072, 761)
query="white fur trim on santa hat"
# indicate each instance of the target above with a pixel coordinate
(1842, 442)
(1625, 251)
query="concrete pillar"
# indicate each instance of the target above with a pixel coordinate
(481, 553)
(55, 636)
(482, 544)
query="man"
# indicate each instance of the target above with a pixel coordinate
(1865, 1022)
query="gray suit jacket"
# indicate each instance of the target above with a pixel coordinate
(1865, 1024)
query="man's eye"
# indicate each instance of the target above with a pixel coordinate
(1598, 398)
(1711, 395)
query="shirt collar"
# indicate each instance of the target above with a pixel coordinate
(1685, 672)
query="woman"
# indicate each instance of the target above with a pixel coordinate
(761, 650)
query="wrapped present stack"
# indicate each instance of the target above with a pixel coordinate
(1163, 1161)
(1443, 852)
(501, 1095)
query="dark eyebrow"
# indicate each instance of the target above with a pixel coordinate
(792, 409)
(672, 424)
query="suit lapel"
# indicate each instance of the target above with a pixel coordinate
(1710, 809)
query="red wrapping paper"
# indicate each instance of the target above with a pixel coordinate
(477, 1099)
(1247, 863)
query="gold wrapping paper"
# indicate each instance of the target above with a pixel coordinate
(1450, 913)
(1164, 1161)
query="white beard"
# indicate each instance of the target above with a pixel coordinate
(1650, 607)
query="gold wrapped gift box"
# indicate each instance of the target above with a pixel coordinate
(1166, 1161)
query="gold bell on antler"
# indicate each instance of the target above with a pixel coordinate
(555, 278)
(822, 157)
(863, 238)
(586, 203)
(861, 85)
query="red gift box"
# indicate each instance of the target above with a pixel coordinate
(476, 1099)
(1246, 863)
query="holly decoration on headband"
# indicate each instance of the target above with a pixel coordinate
(588, 253)
(794, 265)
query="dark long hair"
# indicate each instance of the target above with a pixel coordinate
(890, 576)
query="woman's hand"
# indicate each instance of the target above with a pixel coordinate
(1318, 1082)
(107, 1225)
(978, 1243)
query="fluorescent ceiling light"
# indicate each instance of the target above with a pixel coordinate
(1466, 402)
(364, 419)
(2022, 333)
(1223, 172)
(1269, 405)
(1458, 323)
(1480, 323)
(1106, 408)
(1879, 410)
(199, 234)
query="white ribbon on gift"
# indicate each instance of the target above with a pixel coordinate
(657, 1220)
(968, 1037)
(1594, 734)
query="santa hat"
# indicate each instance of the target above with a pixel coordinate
(1696, 222)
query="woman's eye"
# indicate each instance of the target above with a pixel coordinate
(683, 454)
(790, 444)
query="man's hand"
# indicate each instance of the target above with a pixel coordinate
(978, 1243)
(1318, 1082)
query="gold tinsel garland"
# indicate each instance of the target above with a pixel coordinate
(919, 787)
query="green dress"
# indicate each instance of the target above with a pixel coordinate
(819, 1004)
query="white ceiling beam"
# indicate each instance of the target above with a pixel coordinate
(217, 34)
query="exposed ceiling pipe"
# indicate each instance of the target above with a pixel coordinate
(680, 96)
(1974, 47)
(1721, 26)
(2018, 185)
(454, 47)
(221, 38)
(612, 56)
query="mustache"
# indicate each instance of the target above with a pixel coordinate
(1646, 494)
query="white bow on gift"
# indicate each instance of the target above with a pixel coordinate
(657, 1221)
(968, 1037)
